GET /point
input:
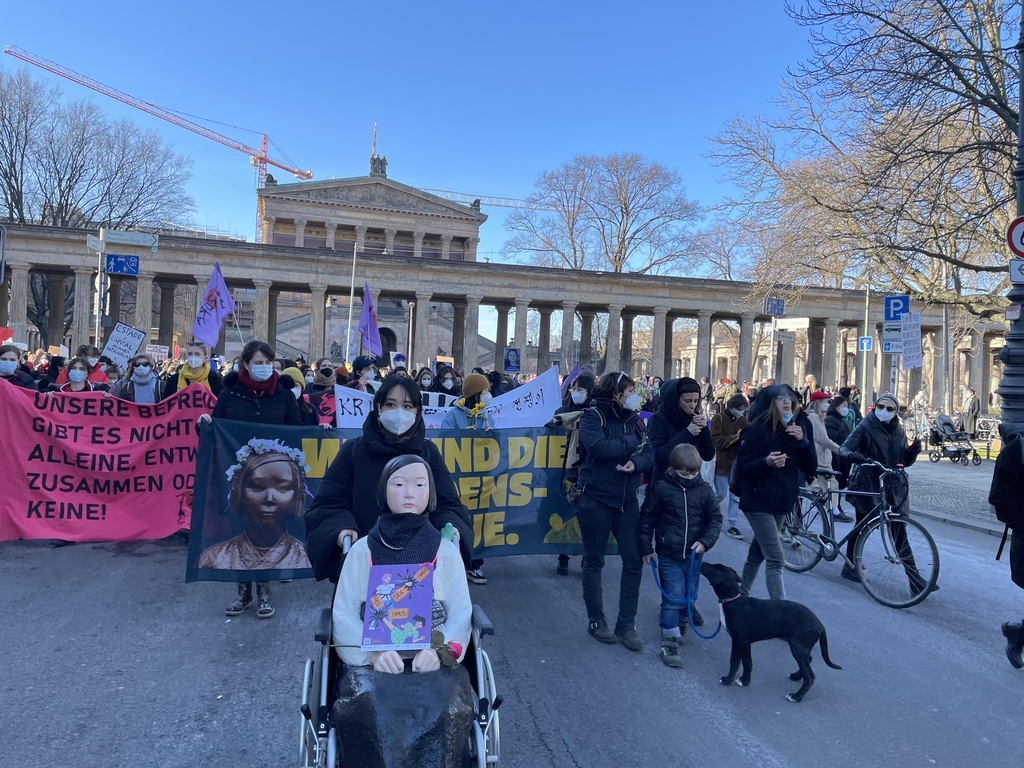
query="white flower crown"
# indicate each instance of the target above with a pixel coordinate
(258, 446)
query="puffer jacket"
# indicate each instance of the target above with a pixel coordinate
(679, 511)
(725, 433)
(610, 439)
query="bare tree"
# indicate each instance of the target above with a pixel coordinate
(24, 107)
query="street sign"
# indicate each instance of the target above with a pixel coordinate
(122, 265)
(896, 306)
(892, 347)
(912, 355)
(144, 239)
(786, 337)
(774, 307)
(1017, 271)
(865, 343)
(1015, 236)
(892, 336)
(792, 323)
(93, 243)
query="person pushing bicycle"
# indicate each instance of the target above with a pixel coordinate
(879, 437)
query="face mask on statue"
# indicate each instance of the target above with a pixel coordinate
(579, 398)
(397, 421)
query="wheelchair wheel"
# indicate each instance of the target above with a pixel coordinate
(492, 738)
(935, 456)
(976, 458)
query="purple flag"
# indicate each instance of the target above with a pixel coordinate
(215, 305)
(569, 379)
(368, 324)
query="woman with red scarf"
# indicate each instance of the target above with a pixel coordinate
(259, 396)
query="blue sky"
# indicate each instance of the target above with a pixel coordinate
(475, 97)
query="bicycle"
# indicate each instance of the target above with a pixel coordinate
(883, 554)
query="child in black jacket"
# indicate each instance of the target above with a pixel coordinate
(682, 512)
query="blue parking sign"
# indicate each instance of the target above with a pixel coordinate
(896, 306)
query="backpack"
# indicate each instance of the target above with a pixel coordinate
(575, 452)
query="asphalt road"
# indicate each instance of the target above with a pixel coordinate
(108, 659)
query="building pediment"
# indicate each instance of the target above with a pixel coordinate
(372, 193)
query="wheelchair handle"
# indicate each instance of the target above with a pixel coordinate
(346, 545)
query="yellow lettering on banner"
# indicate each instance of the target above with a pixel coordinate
(493, 489)
(458, 452)
(439, 442)
(519, 489)
(556, 450)
(478, 530)
(542, 453)
(398, 613)
(486, 454)
(520, 452)
(469, 492)
(494, 529)
(319, 455)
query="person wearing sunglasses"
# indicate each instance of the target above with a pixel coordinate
(141, 384)
(879, 437)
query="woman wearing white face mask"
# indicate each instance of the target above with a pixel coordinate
(425, 378)
(346, 501)
(363, 376)
(446, 382)
(880, 437)
(470, 410)
(141, 384)
(196, 370)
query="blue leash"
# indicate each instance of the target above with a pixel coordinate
(693, 585)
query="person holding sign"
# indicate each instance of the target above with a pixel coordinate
(196, 370)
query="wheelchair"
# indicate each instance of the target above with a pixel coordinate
(318, 741)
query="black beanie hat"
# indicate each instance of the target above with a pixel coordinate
(686, 384)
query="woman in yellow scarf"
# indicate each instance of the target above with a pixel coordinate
(196, 370)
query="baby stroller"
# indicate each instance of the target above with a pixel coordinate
(945, 440)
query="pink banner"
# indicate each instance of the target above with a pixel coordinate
(84, 467)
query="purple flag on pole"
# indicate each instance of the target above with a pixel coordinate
(569, 379)
(368, 324)
(215, 305)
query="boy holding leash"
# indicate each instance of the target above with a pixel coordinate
(683, 514)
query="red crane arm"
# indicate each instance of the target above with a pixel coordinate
(145, 106)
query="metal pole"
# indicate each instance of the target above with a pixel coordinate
(99, 288)
(351, 301)
(408, 346)
(1011, 388)
(864, 353)
(947, 353)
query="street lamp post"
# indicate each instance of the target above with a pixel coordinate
(1011, 387)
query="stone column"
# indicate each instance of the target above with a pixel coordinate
(317, 294)
(55, 310)
(745, 364)
(389, 241)
(360, 237)
(611, 356)
(300, 233)
(446, 247)
(82, 316)
(143, 305)
(268, 230)
(5, 293)
(586, 338)
(417, 244)
(670, 360)
(458, 332)
(567, 352)
(829, 371)
(658, 342)
(626, 349)
(193, 290)
(421, 335)
(785, 370)
(165, 334)
(471, 244)
(332, 229)
(261, 310)
(275, 294)
(976, 363)
(114, 300)
(19, 302)
(544, 341)
(501, 336)
(985, 385)
(519, 338)
(815, 347)
(471, 337)
(702, 367)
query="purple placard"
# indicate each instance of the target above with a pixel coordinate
(399, 599)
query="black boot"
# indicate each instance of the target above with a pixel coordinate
(563, 565)
(1014, 634)
(243, 601)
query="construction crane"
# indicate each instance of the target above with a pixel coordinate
(257, 157)
(478, 200)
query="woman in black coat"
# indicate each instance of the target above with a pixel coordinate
(259, 395)
(579, 397)
(346, 501)
(775, 457)
(678, 421)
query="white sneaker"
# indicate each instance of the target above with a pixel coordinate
(476, 576)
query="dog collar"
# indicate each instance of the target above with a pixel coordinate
(730, 599)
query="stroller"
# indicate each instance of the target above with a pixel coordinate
(944, 439)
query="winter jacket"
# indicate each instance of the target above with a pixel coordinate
(21, 379)
(461, 417)
(96, 375)
(886, 443)
(823, 444)
(214, 379)
(611, 437)
(838, 430)
(669, 428)
(124, 389)
(347, 496)
(238, 403)
(773, 489)
(1007, 491)
(679, 511)
(725, 434)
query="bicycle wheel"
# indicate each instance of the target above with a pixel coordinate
(897, 561)
(803, 550)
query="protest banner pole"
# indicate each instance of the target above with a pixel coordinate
(99, 285)
(351, 301)
(238, 328)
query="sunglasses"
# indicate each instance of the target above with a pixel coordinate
(889, 408)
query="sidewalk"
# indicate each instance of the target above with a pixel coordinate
(954, 494)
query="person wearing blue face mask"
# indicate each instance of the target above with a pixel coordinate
(9, 356)
(776, 456)
(78, 378)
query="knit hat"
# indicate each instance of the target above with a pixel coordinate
(686, 384)
(890, 397)
(474, 384)
(820, 396)
(296, 376)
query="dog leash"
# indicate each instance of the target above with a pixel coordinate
(693, 587)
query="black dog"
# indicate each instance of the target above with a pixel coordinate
(750, 620)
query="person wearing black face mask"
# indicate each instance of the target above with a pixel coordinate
(324, 377)
(880, 437)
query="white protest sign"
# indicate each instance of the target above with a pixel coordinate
(158, 352)
(351, 406)
(123, 343)
(438, 399)
(913, 355)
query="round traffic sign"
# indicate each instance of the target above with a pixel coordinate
(1015, 236)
